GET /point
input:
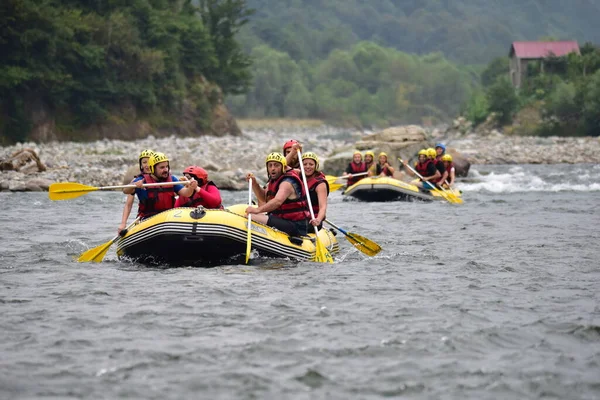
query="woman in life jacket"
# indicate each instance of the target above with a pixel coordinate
(356, 166)
(154, 200)
(383, 167)
(370, 163)
(143, 159)
(450, 172)
(318, 188)
(284, 198)
(425, 167)
(207, 194)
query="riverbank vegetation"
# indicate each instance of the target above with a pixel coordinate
(88, 62)
(560, 96)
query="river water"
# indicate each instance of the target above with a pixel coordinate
(497, 298)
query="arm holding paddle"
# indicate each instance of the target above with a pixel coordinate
(126, 212)
(259, 192)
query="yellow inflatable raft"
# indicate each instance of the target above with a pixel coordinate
(201, 236)
(390, 189)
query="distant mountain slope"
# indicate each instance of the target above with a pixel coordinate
(466, 31)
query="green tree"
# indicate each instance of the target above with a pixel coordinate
(502, 99)
(224, 19)
(499, 66)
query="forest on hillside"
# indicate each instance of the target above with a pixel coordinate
(374, 63)
(89, 62)
(385, 62)
(465, 31)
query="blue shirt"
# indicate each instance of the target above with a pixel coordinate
(142, 194)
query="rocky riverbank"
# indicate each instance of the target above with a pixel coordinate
(228, 158)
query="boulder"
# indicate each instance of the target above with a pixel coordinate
(130, 173)
(461, 163)
(25, 160)
(38, 185)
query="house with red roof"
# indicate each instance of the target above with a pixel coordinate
(522, 53)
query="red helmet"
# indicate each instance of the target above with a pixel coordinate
(198, 173)
(289, 144)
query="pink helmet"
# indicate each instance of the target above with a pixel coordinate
(289, 144)
(198, 173)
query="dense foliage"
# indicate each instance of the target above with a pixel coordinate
(367, 84)
(465, 31)
(565, 92)
(89, 60)
(390, 61)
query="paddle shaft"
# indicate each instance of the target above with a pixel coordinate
(249, 237)
(353, 175)
(336, 227)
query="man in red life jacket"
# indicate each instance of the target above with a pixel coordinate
(284, 199)
(355, 167)
(318, 187)
(426, 169)
(154, 200)
(130, 192)
(206, 194)
(290, 152)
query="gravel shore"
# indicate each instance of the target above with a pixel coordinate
(227, 159)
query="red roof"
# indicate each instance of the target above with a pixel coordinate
(543, 49)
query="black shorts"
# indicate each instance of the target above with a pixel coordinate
(292, 228)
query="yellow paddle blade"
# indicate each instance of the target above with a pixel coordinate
(96, 254)
(68, 190)
(335, 186)
(322, 254)
(331, 179)
(363, 244)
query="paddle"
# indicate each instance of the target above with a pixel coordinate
(71, 190)
(363, 244)
(321, 253)
(332, 181)
(249, 238)
(97, 253)
(446, 195)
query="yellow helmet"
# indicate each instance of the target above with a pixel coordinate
(155, 159)
(277, 157)
(431, 152)
(383, 154)
(447, 157)
(313, 157)
(146, 154)
(369, 153)
(423, 152)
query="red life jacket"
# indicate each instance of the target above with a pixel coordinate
(196, 200)
(293, 210)
(312, 183)
(385, 170)
(160, 198)
(356, 169)
(422, 168)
